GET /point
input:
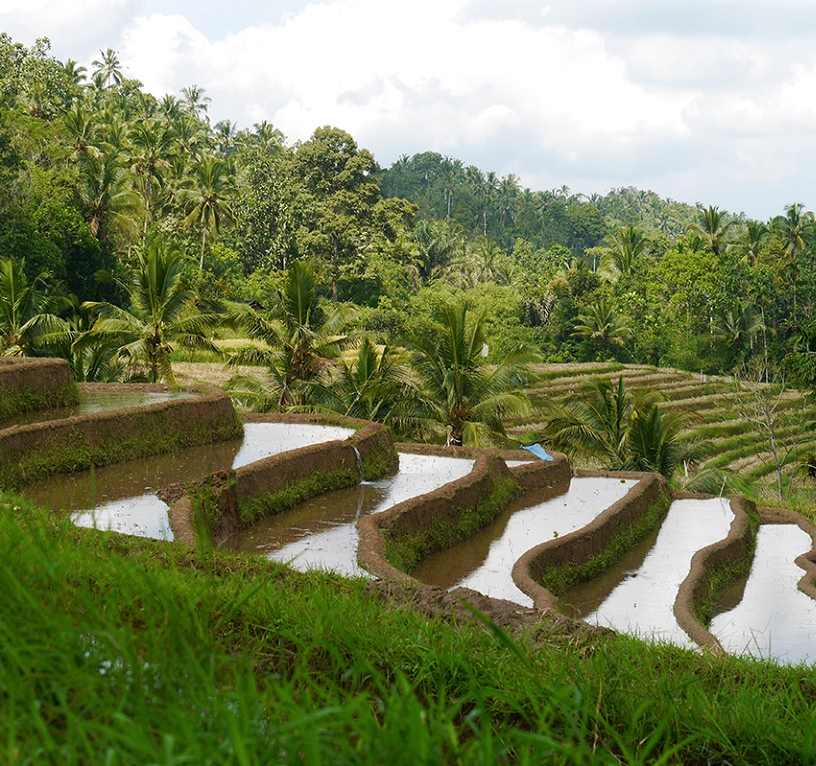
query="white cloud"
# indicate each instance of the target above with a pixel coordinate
(64, 22)
(344, 63)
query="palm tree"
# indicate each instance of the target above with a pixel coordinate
(162, 313)
(594, 422)
(626, 246)
(82, 128)
(195, 102)
(457, 391)
(624, 431)
(600, 325)
(372, 384)
(97, 361)
(738, 325)
(795, 228)
(106, 195)
(297, 343)
(151, 144)
(107, 69)
(27, 310)
(209, 195)
(751, 240)
(713, 226)
(656, 444)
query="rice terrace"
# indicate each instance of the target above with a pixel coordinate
(394, 537)
(305, 459)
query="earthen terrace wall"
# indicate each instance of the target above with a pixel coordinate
(37, 450)
(579, 547)
(29, 384)
(265, 486)
(736, 546)
(448, 503)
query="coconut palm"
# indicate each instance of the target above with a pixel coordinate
(626, 246)
(738, 325)
(108, 69)
(97, 361)
(656, 443)
(106, 195)
(752, 239)
(456, 391)
(795, 229)
(195, 102)
(604, 422)
(714, 227)
(208, 194)
(151, 146)
(28, 310)
(298, 341)
(372, 383)
(162, 313)
(600, 325)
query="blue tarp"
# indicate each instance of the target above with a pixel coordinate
(538, 451)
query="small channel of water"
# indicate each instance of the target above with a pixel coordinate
(485, 561)
(774, 619)
(642, 603)
(321, 533)
(122, 497)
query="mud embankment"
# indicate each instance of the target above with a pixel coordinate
(734, 553)
(439, 519)
(578, 549)
(228, 501)
(37, 450)
(33, 384)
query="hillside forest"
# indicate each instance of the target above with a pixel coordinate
(132, 227)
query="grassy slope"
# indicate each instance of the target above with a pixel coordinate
(117, 650)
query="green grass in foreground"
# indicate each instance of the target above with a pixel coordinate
(115, 650)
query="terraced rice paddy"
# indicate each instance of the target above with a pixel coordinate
(726, 421)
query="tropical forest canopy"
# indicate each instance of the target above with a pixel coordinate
(96, 174)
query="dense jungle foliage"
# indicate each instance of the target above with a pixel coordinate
(94, 172)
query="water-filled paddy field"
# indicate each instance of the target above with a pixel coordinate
(321, 533)
(771, 618)
(96, 402)
(485, 561)
(123, 497)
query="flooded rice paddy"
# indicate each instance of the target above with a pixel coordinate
(774, 619)
(123, 498)
(485, 561)
(321, 533)
(642, 604)
(96, 402)
(768, 618)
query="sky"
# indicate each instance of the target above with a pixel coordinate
(701, 101)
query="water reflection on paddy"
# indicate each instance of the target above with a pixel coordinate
(122, 497)
(321, 533)
(774, 619)
(484, 562)
(643, 603)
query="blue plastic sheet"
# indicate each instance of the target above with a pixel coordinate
(539, 452)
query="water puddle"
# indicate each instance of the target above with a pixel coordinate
(93, 403)
(321, 533)
(122, 497)
(774, 620)
(642, 603)
(485, 561)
